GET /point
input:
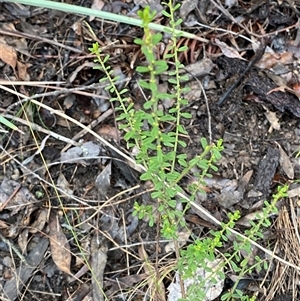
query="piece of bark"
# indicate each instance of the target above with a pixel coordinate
(265, 174)
(260, 84)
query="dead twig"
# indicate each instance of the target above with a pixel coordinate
(19, 34)
(10, 197)
(252, 62)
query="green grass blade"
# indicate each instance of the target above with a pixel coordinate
(9, 124)
(69, 8)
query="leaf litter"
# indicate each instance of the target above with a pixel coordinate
(102, 185)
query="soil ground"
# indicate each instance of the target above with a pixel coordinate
(42, 252)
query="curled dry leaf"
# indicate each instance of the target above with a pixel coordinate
(22, 72)
(23, 240)
(8, 54)
(199, 68)
(268, 60)
(14, 198)
(285, 163)
(103, 181)
(273, 119)
(40, 221)
(295, 192)
(60, 249)
(186, 7)
(228, 51)
(74, 154)
(64, 185)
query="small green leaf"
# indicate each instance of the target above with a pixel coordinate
(156, 38)
(186, 115)
(167, 118)
(182, 143)
(142, 69)
(203, 142)
(182, 48)
(184, 78)
(168, 55)
(138, 41)
(172, 81)
(144, 84)
(9, 124)
(166, 14)
(177, 6)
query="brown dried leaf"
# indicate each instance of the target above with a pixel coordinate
(268, 60)
(98, 263)
(228, 51)
(285, 163)
(39, 222)
(63, 184)
(109, 132)
(102, 182)
(273, 119)
(22, 72)
(60, 249)
(8, 55)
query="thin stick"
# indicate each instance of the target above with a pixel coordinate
(39, 38)
(252, 62)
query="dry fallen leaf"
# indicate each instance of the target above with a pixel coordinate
(273, 119)
(213, 284)
(60, 249)
(102, 182)
(22, 72)
(109, 132)
(228, 51)
(39, 222)
(181, 240)
(285, 163)
(98, 263)
(268, 60)
(8, 55)
(186, 7)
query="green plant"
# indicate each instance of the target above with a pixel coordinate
(201, 251)
(158, 151)
(241, 266)
(10, 125)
